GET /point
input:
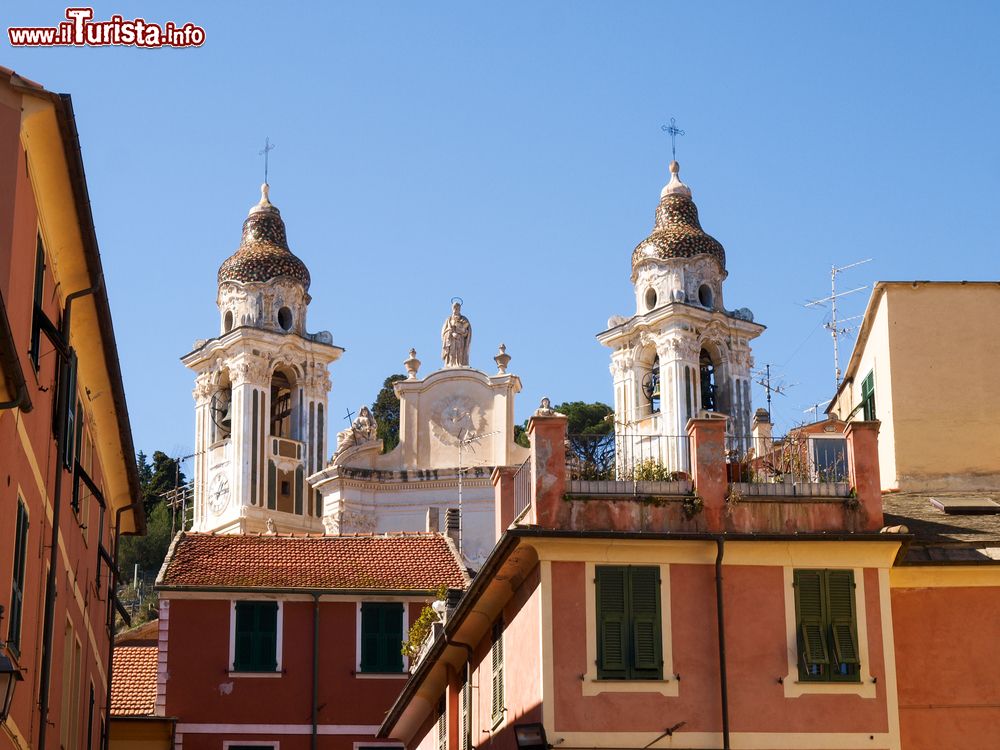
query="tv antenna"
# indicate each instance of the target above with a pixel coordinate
(467, 439)
(834, 325)
(814, 408)
(765, 382)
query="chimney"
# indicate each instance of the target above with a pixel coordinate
(433, 519)
(453, 525)
(762, 433)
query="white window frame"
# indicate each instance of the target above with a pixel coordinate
(279, 637)
(813, 472)
(793, 687)
(668, 686)
(357, 638)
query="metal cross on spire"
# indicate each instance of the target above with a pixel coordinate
(674, 132)
(268, 147)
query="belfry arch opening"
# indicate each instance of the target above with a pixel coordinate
(709, 384)
(282, 405)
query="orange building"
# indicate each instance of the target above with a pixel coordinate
(68, 471)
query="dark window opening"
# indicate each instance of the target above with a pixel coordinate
(381, 636)
(708, 384)
(650, 298)
(285, 318)
(651, 386)
(705, 295)
(256, 648)
(228, 322)
(36, 314)
(281, 406)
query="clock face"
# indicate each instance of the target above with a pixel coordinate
(218, 494)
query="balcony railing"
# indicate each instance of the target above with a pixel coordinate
(286, 448)
(791, 465)
(628, 464)
(522, 489)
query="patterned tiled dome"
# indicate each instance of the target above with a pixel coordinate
(677, 233)
(263, 253)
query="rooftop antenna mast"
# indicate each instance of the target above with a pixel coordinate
(833, 325)
(765, 382)
(814, 408)
(466, 439)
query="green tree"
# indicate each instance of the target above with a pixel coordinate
(386, 413)
(588, 419)
(157, 478)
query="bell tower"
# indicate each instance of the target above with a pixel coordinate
(682, 354)
(260, 390)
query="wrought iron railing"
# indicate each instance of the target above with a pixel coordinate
(797, 458)
(628, 457)
(522, 489)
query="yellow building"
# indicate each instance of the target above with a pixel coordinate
(925, 365)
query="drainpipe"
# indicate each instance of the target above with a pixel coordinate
(720, 542)
(112, 584)
(50, 580)
(468, 686)
(315, 673)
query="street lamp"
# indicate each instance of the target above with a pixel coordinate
(9, 677)
(530, 737)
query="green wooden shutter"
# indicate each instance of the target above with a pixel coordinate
(245, 623)
(496, 655)
(843, 622)
(646, 651)
(17, 584)
(266, 646)
(809, 609)
(612, 622)
(381, 637)
(868, 396)
(370, 628)
(466, 727)
(442, 725)
(392, 637)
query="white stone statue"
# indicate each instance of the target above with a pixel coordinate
(456, 336)
(363, 429)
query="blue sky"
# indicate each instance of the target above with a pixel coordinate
(511, 153)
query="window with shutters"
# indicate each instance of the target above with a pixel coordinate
(496, 658)
(442, 726)
(17, 585)
(868, 396)
(381, 637)
(826, 621)
(255, 639)
(466, 724)
(629, 638)
(38, 298)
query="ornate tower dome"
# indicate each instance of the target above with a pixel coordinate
(263, 253)
(677, 233)
(263, 284)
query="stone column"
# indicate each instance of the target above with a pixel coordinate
(547, 430)
(708, 466)
(862, 460)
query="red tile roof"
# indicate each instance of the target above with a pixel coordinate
(133, 681)
(399, 561)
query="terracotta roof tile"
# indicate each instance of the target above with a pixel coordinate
(133, 681)
(399, 561)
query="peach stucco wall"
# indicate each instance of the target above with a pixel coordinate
(757, 657)
(947, 652)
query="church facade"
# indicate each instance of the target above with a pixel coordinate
(456, 426)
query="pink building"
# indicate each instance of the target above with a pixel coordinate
(685, 614)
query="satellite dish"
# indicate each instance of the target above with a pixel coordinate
(220, 409)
